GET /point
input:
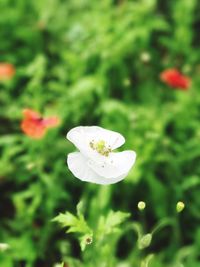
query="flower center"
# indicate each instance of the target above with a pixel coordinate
(101, 147)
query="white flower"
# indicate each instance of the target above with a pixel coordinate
(4, 246)
(96, 163)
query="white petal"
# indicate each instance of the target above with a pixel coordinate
(78, 165)
(115, 165)
(81, 137)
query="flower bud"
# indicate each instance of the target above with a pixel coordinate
(127, 82)
(30, 165)
(145, 241)
(145, 57)
(88, 240)
(180, 206)
(141, 205)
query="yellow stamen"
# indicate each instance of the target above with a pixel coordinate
(101, 147)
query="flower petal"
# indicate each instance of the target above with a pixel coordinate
(175, 79)
(7, 71)
(82, 136)
(115, 165)
(51, 122)
(31, 114)
(78, 165)
(33, 128)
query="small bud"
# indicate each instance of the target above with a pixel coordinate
(127, 82)
(141, 205)
(145, 57)
(30, 166)
(88, 240)
(180, 206)
(145, 241)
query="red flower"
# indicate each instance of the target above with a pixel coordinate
(7, 71)
(35, 126)
(175, 79)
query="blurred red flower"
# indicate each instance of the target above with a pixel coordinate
(36, 126)
(7, 71)
(175, 79)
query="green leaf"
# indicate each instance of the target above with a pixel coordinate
(76, 224)
(109, 224)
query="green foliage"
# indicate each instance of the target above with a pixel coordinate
(109, 224)
(98, 63)
(76, 224)
(106, 226)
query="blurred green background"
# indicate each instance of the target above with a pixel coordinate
(98, 63)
